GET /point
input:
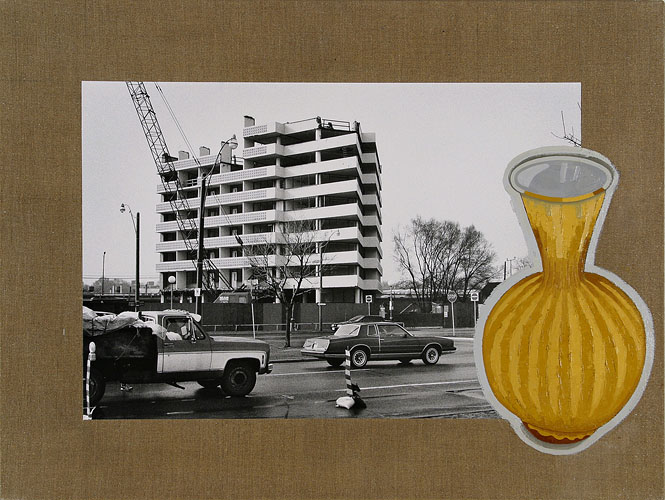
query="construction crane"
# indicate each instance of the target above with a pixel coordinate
(184, 215)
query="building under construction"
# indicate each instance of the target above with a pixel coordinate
(323, 171)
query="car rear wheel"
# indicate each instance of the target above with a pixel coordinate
(209, 384)
(335, 362)
(97, 387)
(359, 358)
(239, 379)
(431, 355)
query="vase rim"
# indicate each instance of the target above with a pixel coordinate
(561, 174)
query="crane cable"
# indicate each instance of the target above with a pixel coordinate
(189, 146)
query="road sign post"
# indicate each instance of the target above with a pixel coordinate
(368, 299)
(452, 297)
(474, 299)
(252, 284)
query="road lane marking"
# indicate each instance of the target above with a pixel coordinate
(411, 385)
(312, 373)
(179, 412)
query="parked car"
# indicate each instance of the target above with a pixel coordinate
(169, 347)
(376, 340)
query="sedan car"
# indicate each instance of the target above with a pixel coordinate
(376, 341)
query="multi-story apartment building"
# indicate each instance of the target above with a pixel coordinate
(323, 171)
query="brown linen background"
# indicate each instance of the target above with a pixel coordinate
(614, 48)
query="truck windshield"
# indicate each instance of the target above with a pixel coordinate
(347, 331)
(198, 331)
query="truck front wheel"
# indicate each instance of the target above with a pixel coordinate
(239, 379)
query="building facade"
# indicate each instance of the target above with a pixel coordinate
(324, 172)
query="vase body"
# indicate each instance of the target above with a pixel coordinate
(564, 348)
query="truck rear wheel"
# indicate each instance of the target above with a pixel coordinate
(239, 379)
(97, 387)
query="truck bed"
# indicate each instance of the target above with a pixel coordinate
(126, 354)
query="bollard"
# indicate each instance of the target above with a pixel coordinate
(91, 357)
(347, 372)
(352, 398)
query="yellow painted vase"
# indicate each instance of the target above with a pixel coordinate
(565, 348)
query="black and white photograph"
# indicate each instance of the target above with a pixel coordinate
(299, 250)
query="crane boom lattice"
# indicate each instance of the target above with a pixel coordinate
(184, 216)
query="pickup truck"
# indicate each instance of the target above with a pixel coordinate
(171, 346)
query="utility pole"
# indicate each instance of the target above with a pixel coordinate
(199, 259)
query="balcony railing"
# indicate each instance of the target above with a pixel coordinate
(216, 242)
(226, 220)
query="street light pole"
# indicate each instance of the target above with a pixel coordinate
(138, 285)
(320, 287)
(137, 227)
(321, 245)
(233, 144)
(171, 283)
(103, 265)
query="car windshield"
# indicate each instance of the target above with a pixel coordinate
(355, 318)
(347, 331)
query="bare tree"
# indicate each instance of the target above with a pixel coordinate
(569, 136)
(476, 261)
(426, 252)
(283, 267)
(438, 256)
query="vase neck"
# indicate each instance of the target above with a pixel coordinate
(563, 230)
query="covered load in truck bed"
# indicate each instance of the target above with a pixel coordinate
(95, 324)
(120, 336)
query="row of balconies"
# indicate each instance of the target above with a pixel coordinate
(263, 151)
(342, 234)
(267, 194)
(352, 257)
(278, 150)
(271, 129)
(336, 211)
(275, 172)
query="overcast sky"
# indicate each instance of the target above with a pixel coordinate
(443, 149)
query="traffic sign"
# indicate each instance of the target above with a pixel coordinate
(474, 296)
(368, 299)
(197, 292)
(452, 296)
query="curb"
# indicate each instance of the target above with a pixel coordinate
(292, 360)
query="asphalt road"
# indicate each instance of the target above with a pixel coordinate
(309, 389)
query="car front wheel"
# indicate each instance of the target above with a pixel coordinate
(238, 380)
(359, 358)
(431, 355)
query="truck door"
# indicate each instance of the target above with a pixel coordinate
(186, 348)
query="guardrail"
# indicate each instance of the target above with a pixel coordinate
(270, 327)
(265, 327)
